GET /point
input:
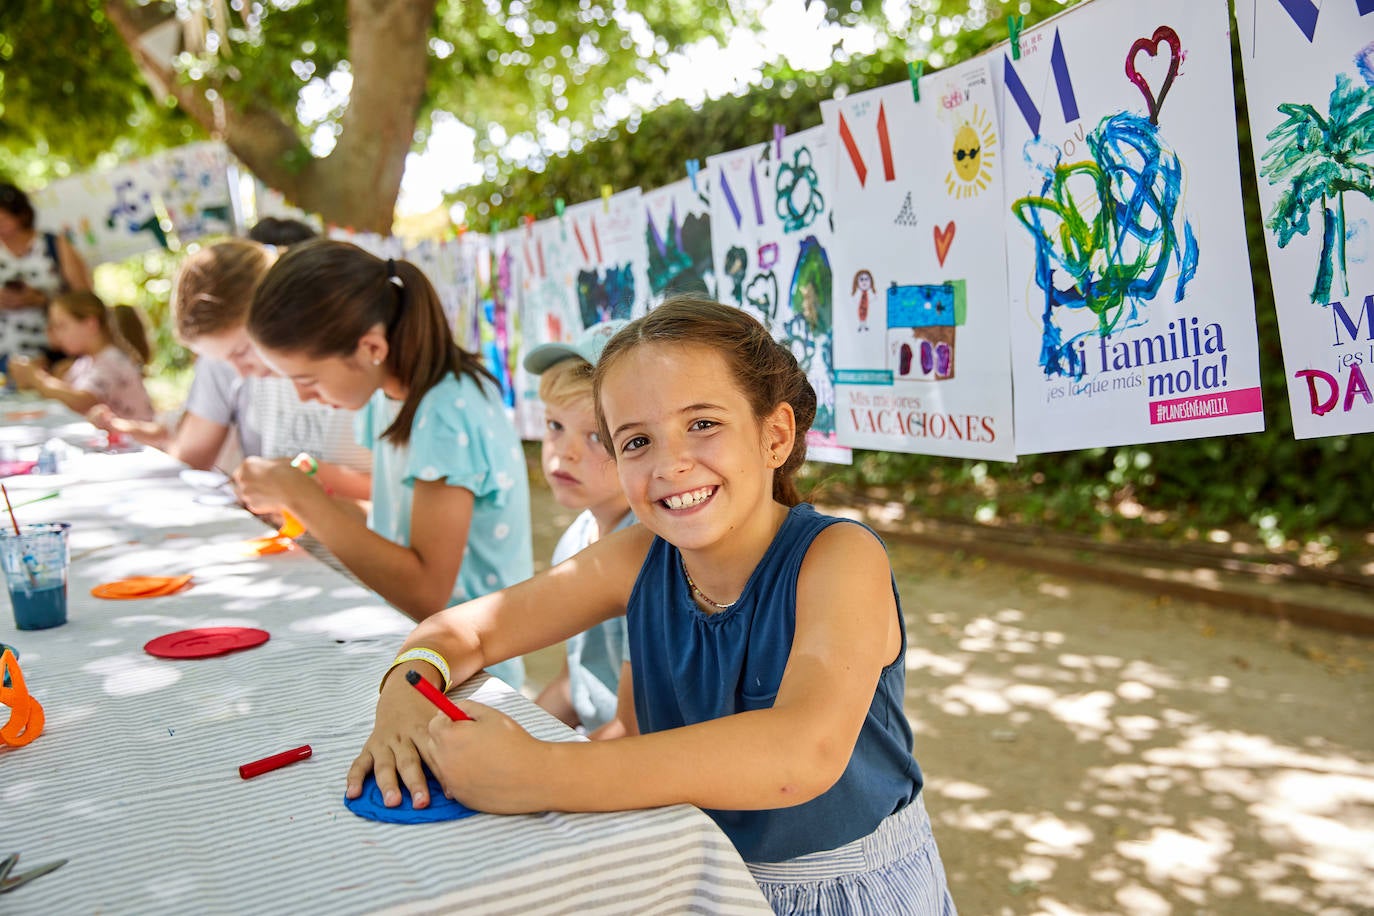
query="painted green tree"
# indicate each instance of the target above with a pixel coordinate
(1318, 160)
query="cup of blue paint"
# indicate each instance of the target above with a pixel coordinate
(35, 562)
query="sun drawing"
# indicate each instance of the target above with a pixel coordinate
(975, 150)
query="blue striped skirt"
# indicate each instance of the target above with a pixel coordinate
(896, 869)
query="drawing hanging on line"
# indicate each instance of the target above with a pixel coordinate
(1108, 230)
(1317, 159)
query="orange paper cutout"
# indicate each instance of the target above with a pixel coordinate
(291, 526)
(261, 547)
(141, 587)
(26, 713)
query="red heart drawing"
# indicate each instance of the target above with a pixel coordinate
(944, 237)
(1151, 46)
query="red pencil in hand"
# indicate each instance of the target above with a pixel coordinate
(433, 694)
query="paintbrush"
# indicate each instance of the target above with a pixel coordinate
(30, 562)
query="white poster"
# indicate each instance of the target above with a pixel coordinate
(1132, 313)
(193, 181)
(107, 216)
(139, 206)
(770, 241)
(1309, 82)
(920, 320)
(610, 261)
(678, 238)
(550, 271)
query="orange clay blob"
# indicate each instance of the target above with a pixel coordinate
(26, 714)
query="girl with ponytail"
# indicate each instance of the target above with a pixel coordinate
(450, 514)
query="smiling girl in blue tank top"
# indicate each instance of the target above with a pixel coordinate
(767, 643)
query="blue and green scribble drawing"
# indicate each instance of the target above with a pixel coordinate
(798, 192)
(1317, 160)
(808, 332)
(1108, 231)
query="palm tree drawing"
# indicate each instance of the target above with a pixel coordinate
(1317, 160)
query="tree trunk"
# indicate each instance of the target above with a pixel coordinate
(357, 184)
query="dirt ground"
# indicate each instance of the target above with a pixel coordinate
(1090, 749)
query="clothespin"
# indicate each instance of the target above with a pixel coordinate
(915, 71)
(606, 198)
(495, 227)
(558, 207)
(778, 133)
(529, 220)
(693, 166)
(1014, 26)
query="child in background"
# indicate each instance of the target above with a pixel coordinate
(450, 516)
(767, 641)
(106, 368)
(234, 389)
(593, 689)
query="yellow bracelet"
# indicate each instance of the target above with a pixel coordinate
(422, 655)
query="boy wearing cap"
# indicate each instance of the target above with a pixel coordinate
(593, 690)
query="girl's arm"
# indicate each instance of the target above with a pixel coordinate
(417, 579)
(74, 271)
(592, 586)
(28, 374)
(343, 481)
(147, 432)
(847, 631)
(197, 443)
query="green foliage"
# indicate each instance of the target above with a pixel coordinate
(70, 94)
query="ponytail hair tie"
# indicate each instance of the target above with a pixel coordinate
(391, 273)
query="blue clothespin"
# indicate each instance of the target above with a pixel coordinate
(1014, 26)
(915, 71)
(778, 133)
(693, 166)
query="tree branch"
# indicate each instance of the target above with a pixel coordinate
(258, 136)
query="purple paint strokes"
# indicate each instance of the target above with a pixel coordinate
(1021, 97)
(1060, 65)
(1304, 15)
(654, 233)
(730, 198)
(754, 186)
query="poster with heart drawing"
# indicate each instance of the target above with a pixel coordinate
(1132, 316)
(1309, 82)
(920, 273)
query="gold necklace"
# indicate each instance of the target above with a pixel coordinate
(699, 593)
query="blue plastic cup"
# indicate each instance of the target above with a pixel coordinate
(35, 563)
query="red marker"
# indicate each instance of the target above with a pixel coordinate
(275, 762)
(433, 694)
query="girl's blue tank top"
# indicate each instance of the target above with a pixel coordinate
(691, 667)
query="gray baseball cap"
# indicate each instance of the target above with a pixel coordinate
(588, 346)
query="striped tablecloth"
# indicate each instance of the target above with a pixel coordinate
(135, 779)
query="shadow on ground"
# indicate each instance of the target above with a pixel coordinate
(1092, 749)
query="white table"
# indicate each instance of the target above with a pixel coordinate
(135, 778)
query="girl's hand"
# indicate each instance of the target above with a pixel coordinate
(392, 750)
(23, 370)
(269, 485)
(102, 417)
(490, 764)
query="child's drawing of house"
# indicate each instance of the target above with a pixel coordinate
(920, 331)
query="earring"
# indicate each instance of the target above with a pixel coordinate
(376, 362)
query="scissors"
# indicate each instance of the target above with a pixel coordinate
(7, 864)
